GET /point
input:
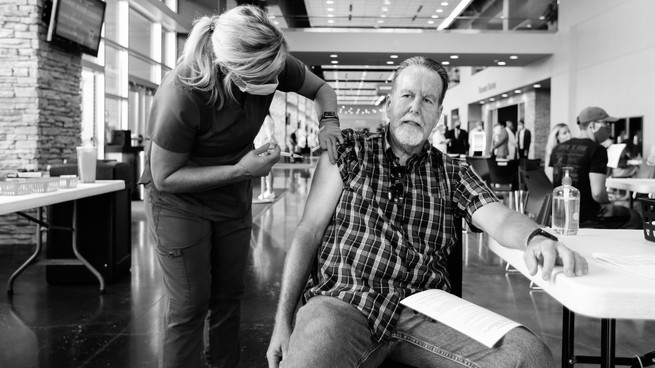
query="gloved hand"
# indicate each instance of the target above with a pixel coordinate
(259, 161)
(329, 135)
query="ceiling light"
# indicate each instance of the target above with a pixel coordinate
(445, 63)
(330, 21)
(380, 21)
(390, 62)
(276, 22)
(501, 63)
(444, 3)
(517, 91)
(434, 16)
(330, 15)
(430, 22)
(334, 55)
(463, 4)
(335, 61)
(330, 9)
(383, 16)
(481, 102)
(504, 95)
(513, 57)
(385, 9)
(439, 10)
(536, 85)
(492, 99)
(454, 57)
(272, 16)
(542, 18)
(393, 56)
(379, 100)
(329, 2)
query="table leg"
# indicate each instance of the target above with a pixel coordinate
(607, 347)
(79, 256)
(568, 335)
(33, 258)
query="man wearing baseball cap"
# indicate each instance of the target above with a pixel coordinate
(588, 158)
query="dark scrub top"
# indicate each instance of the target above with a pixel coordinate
(181, 121)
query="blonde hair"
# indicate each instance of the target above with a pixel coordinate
(553, 140)
(241, 43)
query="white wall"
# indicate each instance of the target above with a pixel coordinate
(605, 57)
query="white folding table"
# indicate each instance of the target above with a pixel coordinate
(606, 292)
(11, 204)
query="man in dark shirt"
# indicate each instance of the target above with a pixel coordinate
(458, 139)
(523, 139)
(378, 227)
(588, 158)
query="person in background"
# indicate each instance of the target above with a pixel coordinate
(558, 134)
(523, 138)
(477, 140)
(512, 145)
(378, 227)
(458, 139)
(499, 145)
(588, 158)
(266, 135)
(439, 140)
(200, 162)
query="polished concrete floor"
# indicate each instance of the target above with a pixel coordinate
(75, 326)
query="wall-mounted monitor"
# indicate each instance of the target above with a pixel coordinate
(75, 25)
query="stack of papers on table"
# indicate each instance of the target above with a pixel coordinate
(637, 264)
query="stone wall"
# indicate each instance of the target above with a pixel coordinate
(40, 101)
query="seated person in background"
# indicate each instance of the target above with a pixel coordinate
(558, 134)
(378, 227)
(588, 158)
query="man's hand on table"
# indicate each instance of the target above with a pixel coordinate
(548, 253)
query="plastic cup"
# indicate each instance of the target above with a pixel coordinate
(86, 164)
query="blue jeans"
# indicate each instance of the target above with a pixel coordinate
(332, 333)
(203, 265)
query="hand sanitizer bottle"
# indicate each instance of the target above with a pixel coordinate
(566, 206)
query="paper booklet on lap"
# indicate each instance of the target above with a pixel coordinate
(478, 323)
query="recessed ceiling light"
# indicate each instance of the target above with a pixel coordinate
(329, 2)
(504, 95)
(271, 16)
(334, 55)
(393, 56)
(542, 18)
(380, 21)
(330, 15)
(434, 16)
(517, 91)
(501, 63)
(445, 3)
(330, 21)
(330, 9)
(445, 63)
(481, 102)
(383, 16)
(536, 85)
(430, 22)
(492, 99)
(385, 9)
(454, 56)
(335, 61)
(513, 57)
(390, 62)
(439, 10)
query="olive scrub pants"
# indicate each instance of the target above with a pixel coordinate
(203, 265)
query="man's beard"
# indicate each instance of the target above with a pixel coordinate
(409, 134)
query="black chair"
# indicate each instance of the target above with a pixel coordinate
(538, 186)
(526, 164)
(503, 176)
(455, 270)
(546, 211)
(480, 166)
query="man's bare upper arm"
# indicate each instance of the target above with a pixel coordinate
(323, 195)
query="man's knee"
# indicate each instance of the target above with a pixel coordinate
(529, 350)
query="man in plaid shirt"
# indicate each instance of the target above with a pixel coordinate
(377, 227)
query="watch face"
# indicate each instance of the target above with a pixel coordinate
(329, 114)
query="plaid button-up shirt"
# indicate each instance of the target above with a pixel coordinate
(375, 252)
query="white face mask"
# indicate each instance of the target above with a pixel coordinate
(259, 89)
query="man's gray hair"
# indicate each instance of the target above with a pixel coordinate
(428, 64)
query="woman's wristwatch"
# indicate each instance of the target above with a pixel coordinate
(540, 232)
